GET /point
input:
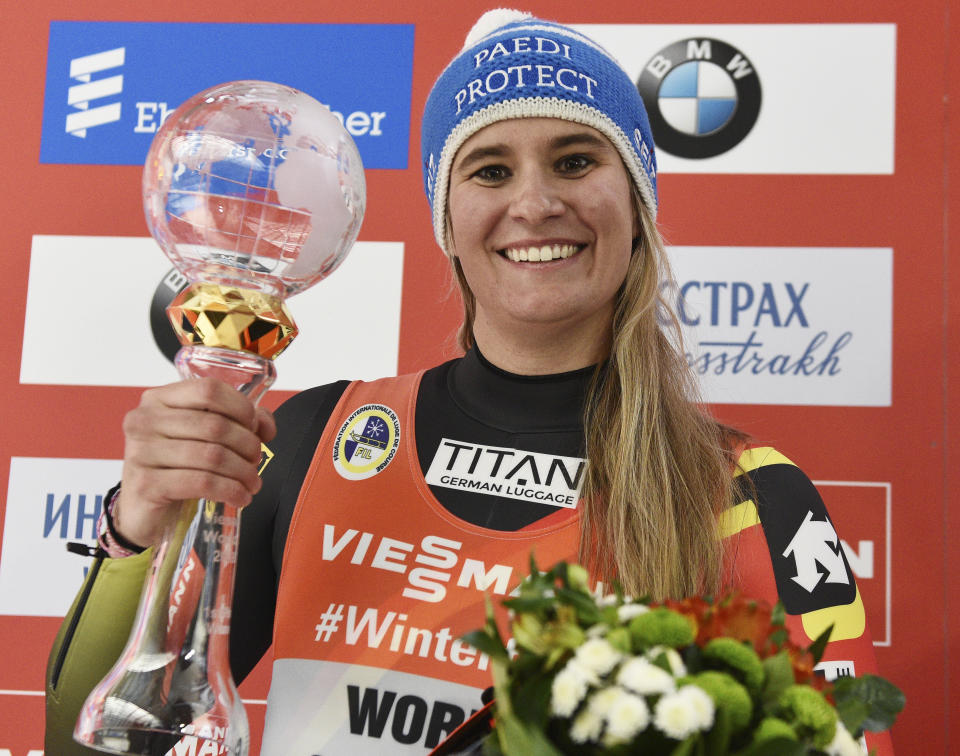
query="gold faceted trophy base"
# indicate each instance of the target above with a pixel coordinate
(232, 317)
(230, 333)
(171, 691)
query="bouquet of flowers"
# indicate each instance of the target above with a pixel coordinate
(699, 677)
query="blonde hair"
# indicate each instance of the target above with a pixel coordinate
(659, 469)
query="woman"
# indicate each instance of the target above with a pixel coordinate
(388, 509)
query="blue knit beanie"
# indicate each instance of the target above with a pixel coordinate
(515, 66)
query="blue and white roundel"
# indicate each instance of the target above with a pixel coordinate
(697, 97)
(702, 95)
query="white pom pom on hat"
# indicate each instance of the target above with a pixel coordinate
(490, 22)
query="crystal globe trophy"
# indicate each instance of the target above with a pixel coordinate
(254, 191)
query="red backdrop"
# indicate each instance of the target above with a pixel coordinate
(907, 449)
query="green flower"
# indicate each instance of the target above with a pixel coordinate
(772, 727)
(728, 695)
(738, 656)
(810, 709)
(662, 627)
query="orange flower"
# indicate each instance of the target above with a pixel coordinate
(733, 616)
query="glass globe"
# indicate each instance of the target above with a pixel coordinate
(256, 185)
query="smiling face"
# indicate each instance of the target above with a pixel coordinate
(543, 223)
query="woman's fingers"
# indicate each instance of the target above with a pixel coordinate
(163, 423)
(206, 394)
(188, 455)
(266, 426)
(194, 439)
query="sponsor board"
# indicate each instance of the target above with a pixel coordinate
(828, 94)
(349, 324)
(50, 502)
(786, 325)
(111, 84)
(861, 511)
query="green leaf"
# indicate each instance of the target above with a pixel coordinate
(779, 637)
(565, 635)
(529, 603)
(688, 747)
(882, 699)
(584, 604)
(775, 747)
(852, 712)
(534, 570)
(491, 622)
(528, 632)
(482, 641)
(491, 746)
(692, 658)
(556, 655)
(778, 674)
(531, 700)
(717, 740)
(820, 644)
(661, 660)
(779, 614)
(519, 740)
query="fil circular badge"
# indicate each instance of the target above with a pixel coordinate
(366, 442)
(702, 97)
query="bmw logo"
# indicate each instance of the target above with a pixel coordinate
(702, 96)
(163, 336)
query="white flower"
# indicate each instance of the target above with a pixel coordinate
(701, 704)
(628, 714)
(628, 611)
(586, 726)
(645, 678)
(598, 631)
(680, 714)
(597, 655)
(843, 743)
(602, 701)
(677, 667)
(609, 599)
(569, 687)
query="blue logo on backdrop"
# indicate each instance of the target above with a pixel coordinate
(111, 84)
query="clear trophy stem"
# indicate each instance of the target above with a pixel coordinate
(171, 691)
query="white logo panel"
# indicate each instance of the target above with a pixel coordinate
(349, 324)
(828, 93)
(50, 502)
(787, 325)
(512, 473)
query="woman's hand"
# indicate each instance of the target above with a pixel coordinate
(187, 440)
